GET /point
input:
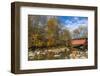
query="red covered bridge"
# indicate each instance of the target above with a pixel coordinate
(79, 43)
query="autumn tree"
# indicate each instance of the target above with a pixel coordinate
(51, 31)
(35, 30)
(46, 31)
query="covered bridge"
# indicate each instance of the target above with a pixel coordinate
(80, 43)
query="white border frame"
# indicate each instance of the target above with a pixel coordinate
(25, 64)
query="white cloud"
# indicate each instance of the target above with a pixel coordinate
(75, 23)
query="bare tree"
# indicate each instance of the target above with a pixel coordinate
(80, 32)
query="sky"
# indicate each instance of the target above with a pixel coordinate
(72, 22)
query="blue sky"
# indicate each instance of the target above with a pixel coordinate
(72, 22)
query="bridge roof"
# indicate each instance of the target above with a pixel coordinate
(78, 41)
